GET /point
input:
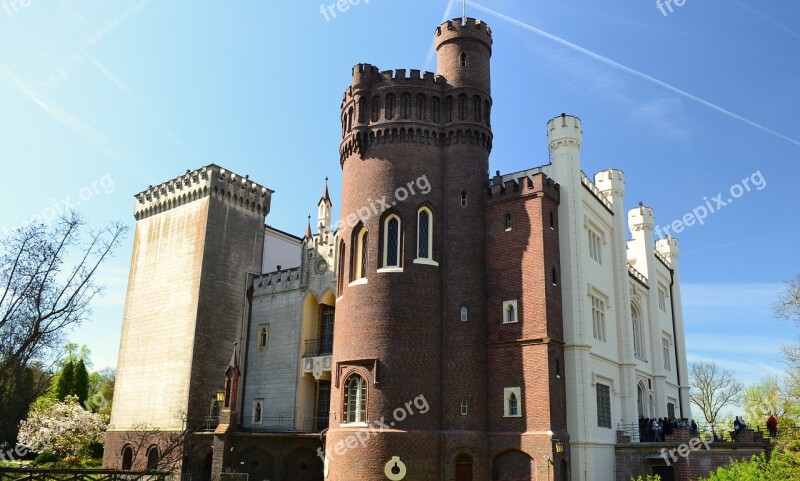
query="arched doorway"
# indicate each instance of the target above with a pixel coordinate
(258, 464)
(127, 458)
(514, 466)
(564, 470)
(640, 400)
(302, 464)
(464, 467)
(152, 458)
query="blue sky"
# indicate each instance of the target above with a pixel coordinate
(101, 99)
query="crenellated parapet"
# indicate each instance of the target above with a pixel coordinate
(524, 183)
(211, 180)
(458, 29)
(278, 281)
(451, 107)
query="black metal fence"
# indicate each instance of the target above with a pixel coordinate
(27, 474)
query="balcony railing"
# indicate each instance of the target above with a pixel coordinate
(317, 347)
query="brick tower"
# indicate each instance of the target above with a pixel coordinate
(414, 156)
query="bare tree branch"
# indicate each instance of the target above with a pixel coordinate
(48, 282)
(712, 389)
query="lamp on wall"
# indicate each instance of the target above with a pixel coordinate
(559, 447)
(221, 396)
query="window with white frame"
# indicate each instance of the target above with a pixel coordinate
(425, 234)
(509, 222)
(513, 402)
(463, 199)
(662, 299)
(638, 344)
(360, 250)
(464, 407)
(599, 318)
(464, 314)
(595, 246)
(510, 314)
(391, 241)
(603, 406)
(666, 347)
(355, 400)
(258, 411)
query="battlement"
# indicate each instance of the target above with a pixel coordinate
(591, 187)
(668, 249)
(458, 28)
(638, 276)
(564, 130)
(211, 180)
(278, 281)
(367, 77)
(611, 182)
(526, 182)
(641, 218)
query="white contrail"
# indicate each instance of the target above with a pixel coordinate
(120, 85)
(69, 120)
(631, 71)
(447, 12)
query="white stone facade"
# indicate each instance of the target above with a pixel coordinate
(607, 281)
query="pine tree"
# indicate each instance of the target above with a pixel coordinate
(66, 381)
(80, 383)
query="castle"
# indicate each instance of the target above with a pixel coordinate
(452, 326)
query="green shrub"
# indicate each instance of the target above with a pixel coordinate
(45, 457)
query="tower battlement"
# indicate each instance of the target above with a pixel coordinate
(193, 185)
(279, 281)
(366, 76)
(641, 218)
(669, 249)
(564, 130)
(611, 182)
(458, 29)
(526, 182)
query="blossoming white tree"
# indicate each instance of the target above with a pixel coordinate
(63, 428)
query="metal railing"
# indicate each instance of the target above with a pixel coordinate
(286, 424)
(28, 474)
(317, 347)
(722, 431)
(203, 425)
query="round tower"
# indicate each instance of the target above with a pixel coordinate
(611, 183)
(414, 156)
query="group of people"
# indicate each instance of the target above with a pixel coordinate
(772, 425)
(656, 430)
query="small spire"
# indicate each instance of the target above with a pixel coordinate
(464, 11)
(233, 365)
(308, 228)
(325, 195)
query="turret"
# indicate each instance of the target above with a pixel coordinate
(668, 248)
(640, 248)
(611, 183)
(324, 209)
(464, 47)
(564, 137)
